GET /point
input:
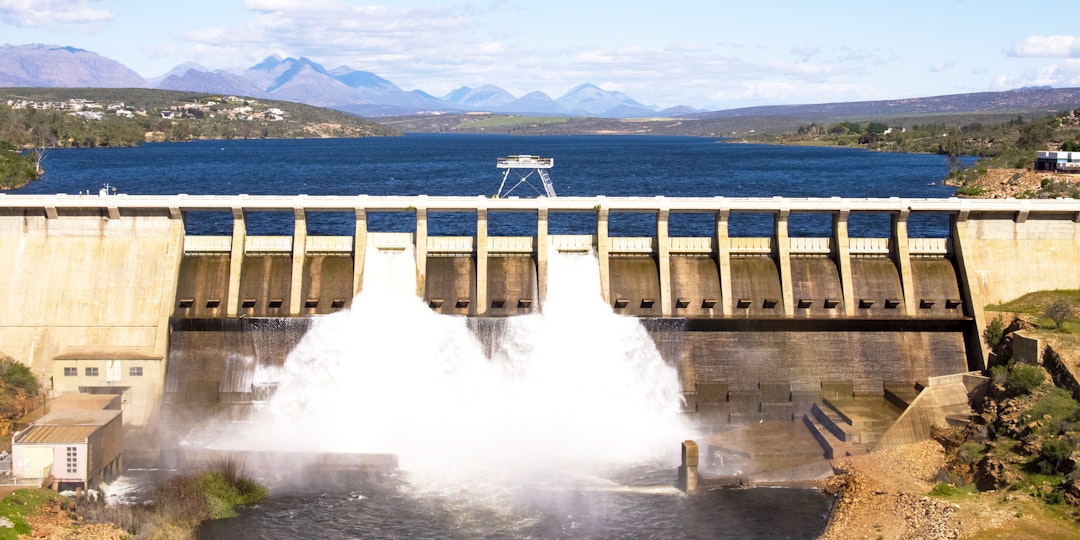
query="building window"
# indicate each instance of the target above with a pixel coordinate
(71, 371)
(72, 460)
(135, 371)
(91, 372)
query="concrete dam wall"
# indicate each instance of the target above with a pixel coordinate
(99, 288)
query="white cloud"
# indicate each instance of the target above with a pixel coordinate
(1047, 46)
(806, 51)
(49, 13)
(335, 33)
(941, 66)
(437, 49)
(1063, 74)
(750, 93)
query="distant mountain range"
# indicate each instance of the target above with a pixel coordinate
(367, 94)
(304, 81)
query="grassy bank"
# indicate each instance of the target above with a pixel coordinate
(177, 508)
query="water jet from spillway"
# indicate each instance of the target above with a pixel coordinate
(573, 386)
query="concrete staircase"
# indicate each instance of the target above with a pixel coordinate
(849, 425)
(941, 401)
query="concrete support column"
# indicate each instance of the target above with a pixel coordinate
(481, 261)
(969, 286)
(902, 257)
(236, 262)
(421, 251)
(603, 253)
(663, 260)
(842, 252)
(359, 250)
(783, 261)
(299, 253)
(688, 470)
(542, 246)
(168, 291)
(723, 261)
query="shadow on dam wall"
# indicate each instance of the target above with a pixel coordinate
(761, 360)
(212, 361)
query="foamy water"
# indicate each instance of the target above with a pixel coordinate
(573, 386)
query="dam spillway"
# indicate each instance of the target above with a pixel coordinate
(99, 287)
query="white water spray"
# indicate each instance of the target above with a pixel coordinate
(573, 386)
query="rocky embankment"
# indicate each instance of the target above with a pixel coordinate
(891, 495)
(1023, 183)
(883, 495)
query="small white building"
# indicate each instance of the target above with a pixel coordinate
(69, 449)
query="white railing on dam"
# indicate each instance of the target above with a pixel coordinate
(207, 244)
(330, 244)
(337, 203)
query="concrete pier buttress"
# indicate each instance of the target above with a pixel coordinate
(541, 254)
(481, 263)
(359, 249)
(663, 248)
(299, 254)
(843, 257)
(93, 282)
(783, 257)
(421, 251)
(723, 260)
(236, 262)
(603, 252)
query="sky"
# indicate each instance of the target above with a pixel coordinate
(707, 54)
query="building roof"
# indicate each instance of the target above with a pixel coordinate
(105, 354)
(38, 434)
(84, 401)
(67, 426)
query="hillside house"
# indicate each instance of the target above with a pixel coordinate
(1057, 161)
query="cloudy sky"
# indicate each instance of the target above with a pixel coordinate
(711, 54)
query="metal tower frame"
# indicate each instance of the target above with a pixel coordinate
(536, 164)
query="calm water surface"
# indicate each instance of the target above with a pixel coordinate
(464, 165)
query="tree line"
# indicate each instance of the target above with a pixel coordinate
(1009, 144)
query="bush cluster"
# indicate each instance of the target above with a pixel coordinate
(182, 503)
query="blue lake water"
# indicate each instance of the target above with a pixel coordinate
(643, 166)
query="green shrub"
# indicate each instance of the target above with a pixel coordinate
(224, 495)
(971, 191)
(16, 376)
(1024, 378)
(1057, 405)
(1059, 311)
(995, 332)
(970, 451)
(999, 374)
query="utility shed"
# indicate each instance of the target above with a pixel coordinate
(70, 449)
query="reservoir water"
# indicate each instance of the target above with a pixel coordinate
(629, 499)
(624, 166)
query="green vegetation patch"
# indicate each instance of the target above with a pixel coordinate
(1052, 309)
(20, 504)
(510, 121)
(16, 168)
(223, 494)
(949, 491)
